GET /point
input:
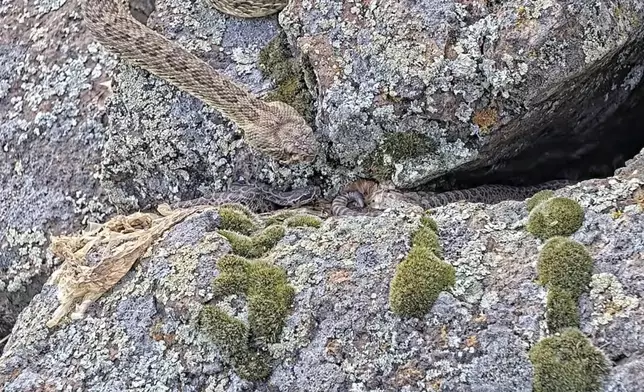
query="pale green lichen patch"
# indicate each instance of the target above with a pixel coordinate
(539, 198)
(609, 299)
(558, 216)
(567, 362)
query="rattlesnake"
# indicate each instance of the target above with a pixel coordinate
(274, 128)
(257, 198)
(364, 192)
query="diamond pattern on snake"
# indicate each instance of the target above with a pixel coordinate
(257, 198)
(275, 128)
(363, 192)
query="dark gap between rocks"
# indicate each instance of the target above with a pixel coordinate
(596, 129)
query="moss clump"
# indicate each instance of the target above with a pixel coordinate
(557, 216)
(567, 363)
(427, 238)
(429, 222)
(233, 278)
(257, 245)
(269, 298)
(539, 198)
(266, 289)
(276, 61)
(562, 310)
(304, 220)
(397, 147)
(418, 281)
(279, 217)
(232, 337)
(565, 264)
(233, 219)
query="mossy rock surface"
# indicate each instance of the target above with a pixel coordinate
(427, 238)
(303, 220)
(418, 281)
(234, 219)
(232, 336)
(427, 221)
(257, 245)
(277, 62)
(269, 295)
(562, 309)
(279, 217)
(565, 264)
(539, 198)
(266, 289)
(557, 216)
(567, 363)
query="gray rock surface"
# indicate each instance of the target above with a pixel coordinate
(50, 142)
(480, 80)
(341, 335)
(76, 126)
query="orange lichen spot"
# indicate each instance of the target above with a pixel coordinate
(485, 118)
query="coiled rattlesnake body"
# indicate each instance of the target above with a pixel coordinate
(274, 128)
(364, 192)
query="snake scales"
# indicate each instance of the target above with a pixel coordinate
(274, 128)
(363, 191)
(257, 198)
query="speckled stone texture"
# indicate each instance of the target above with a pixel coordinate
(341, 334)
(480, 79)
(50, 141)
(165, 145)
(77, 126)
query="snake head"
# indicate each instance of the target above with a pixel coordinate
(291, 139)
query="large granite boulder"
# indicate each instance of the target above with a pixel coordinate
(340, 334)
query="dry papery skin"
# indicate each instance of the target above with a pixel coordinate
(96, 260)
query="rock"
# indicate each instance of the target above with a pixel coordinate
(477, 82)
(50, 141)
(457, 86)
(340, 334)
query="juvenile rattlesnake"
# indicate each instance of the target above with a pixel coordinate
(362, 192)
(257, 198)
(274, 128)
